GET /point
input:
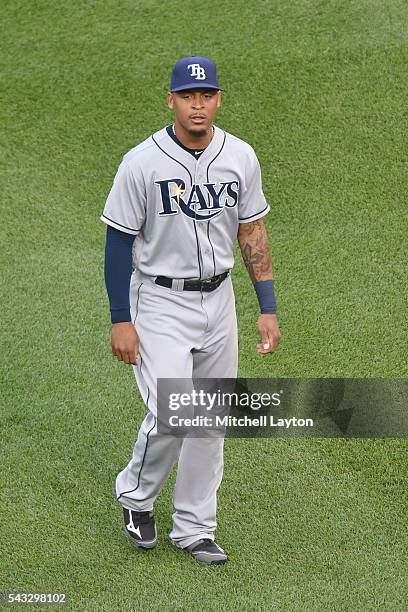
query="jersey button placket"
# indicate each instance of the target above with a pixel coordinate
(197, 224)
(206, 251)
(198, 174)
(197, 180)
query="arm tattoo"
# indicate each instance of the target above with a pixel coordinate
(253, 242)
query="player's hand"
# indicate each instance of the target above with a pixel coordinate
(268, 326)
(125, 342)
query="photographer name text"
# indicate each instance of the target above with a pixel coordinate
(244, 421)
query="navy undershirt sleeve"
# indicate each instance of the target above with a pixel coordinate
(118, 270)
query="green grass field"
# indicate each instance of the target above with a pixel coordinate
(319, 88)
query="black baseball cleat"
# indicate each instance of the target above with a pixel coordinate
(207, 551)
(140, 527)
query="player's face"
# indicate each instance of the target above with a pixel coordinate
(195, 109)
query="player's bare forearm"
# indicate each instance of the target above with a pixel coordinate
(253, 242)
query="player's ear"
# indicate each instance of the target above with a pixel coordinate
(170, 100)
(218, 99)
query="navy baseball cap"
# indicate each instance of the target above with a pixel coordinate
(194, 72)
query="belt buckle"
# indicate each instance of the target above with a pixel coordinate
(206, 282)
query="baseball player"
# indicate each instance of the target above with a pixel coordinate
(178, 203)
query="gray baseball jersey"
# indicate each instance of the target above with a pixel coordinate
(185, 211)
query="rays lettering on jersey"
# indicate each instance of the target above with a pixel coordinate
(202, 202)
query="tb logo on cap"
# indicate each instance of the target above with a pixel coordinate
(197, 71)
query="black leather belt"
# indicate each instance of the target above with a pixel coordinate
(207, 284)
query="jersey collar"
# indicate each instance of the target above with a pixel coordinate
(178, 152)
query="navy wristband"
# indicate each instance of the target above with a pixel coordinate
(266, 296)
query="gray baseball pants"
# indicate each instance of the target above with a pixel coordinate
(183, 334)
